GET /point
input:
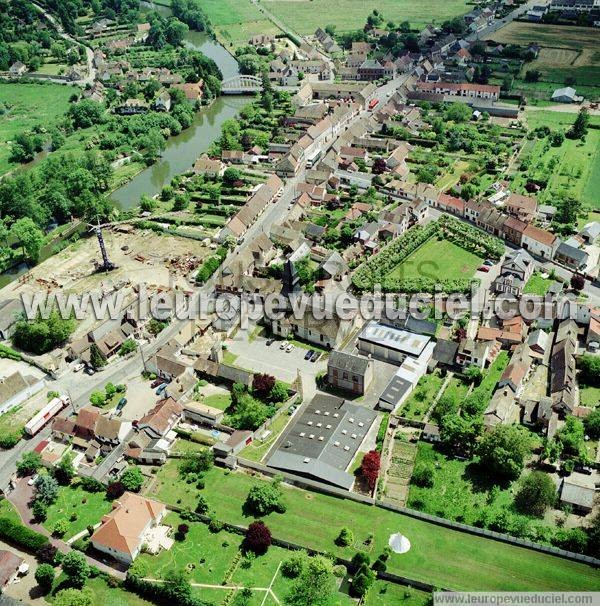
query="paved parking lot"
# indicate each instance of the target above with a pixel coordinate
(260, 357)
(140, 399)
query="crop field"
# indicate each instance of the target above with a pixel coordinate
(578, 163)
(235, 21)
(305, 16)
(566, 51)
(438, 259)
(23, 106)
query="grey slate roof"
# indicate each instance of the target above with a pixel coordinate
(348, 362)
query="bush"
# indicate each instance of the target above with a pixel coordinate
(46, 554)
(60, 528)
(293, 566)
(258, 538)
(423, 475)
(345, 538)
(265, 498)
(20, 535)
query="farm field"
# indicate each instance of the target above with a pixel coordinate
(23, 106)
(438, 259)
(566, 50)
(441, 556)
(235, 21)
(578, 163)
(305, 16)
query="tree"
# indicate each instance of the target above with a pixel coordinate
(503, 450)
(86, 113)
(265, 498)
(115, 490)
(64, 472)
(580, 126)
(42, 335)
(459, 433)
(571, 437)
(535, 494)
(97, 359)
(46, 489)
(594, 536)
(279, 392)
(315, 585)
(129, 346)
(532, 75)
(29, 463)
(577, 282)
(196, 462)
(423, 474)
(258, 537)
(345, 538)
(379, 166)
(369, 468)
(589, 370)
(46, 554)
(201, 506)
(363, 576)
(98, 398)
(474, 374)
(132, 479)
(592, 424)
(293, 566)
(262, 384)
(75, 566)
(40, 510)
(29, 235)
(73, 597)
(231, 175)
(44, 575)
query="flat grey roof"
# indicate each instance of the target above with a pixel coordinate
(323, 441)
(395, 390)
(394, 338)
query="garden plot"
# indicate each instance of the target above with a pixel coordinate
(400, 469)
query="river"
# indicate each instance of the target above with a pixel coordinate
(182, 150)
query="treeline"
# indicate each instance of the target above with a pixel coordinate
(192, 14)
(67, 11)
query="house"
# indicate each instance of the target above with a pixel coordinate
(161, 419)
(431, 433)
(514, 375)
(475, 353)
(465, 90)
(127, 527)
(349, 372)
(563, 369)
(391, 344)
(578, 491)
(593, 335)
(11, 311)
(10, 568)
(590, 232)
(16, 388)
(261, 40)
(132, 106)
(451, 204)
(521, 207)
(515, 272)
(444, 354)
(162, 103)
(502, 409)
(17, 69)
(539, 343)
(572, 257)
(566, 95)
(208, 166)
(333, 266)
(539, 242)
(110, 431)
(513, 230)
(191, 90)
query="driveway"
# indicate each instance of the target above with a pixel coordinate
(140, 399)
(260, 357)
(25, 589)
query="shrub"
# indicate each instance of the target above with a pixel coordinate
(44, 575)
(17, 533)
(46, 554)
(369, 468)
(423, 475)
(345, 538)
(293, 566)
(60, 528)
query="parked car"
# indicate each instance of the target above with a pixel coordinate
(289, 347)
(121, 404)
(284, 345)
(270, 341)
(160, 389)
(78, 367)
(316, 355)
(309, 354)
(484, 268)
(488, 263)
(32, 479)
(88, 370)
(156, 383)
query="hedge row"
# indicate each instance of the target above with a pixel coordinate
(18, 534)
(210, 265)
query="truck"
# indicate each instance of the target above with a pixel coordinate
(47, 413)
(373, 103)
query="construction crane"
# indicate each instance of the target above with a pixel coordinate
(107, 264)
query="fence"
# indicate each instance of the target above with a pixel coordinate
(489, 534)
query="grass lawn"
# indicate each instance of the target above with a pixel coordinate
(103, 595)
(27, 105)
(439, 259)
(229, 358)
(459, 491)
(443, 557)
(12, 422)
(222, 401)
(306, 16)
(578, 163)
(457, 389)
(452, 176)
(383, 594)
(589, 396)
(258, 449)
(88, 506)
(537, 285)
(7, 510)
(421, 398)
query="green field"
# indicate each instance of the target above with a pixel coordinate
(578, 167)
(441, 556)
(235, 21)
(439, 259)
(89, 507)
(23, 106)
(566, 50)
(305, 16)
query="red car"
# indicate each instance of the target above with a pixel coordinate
(484, 268)
(156, 383)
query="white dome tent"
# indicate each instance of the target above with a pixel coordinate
(399, 543)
